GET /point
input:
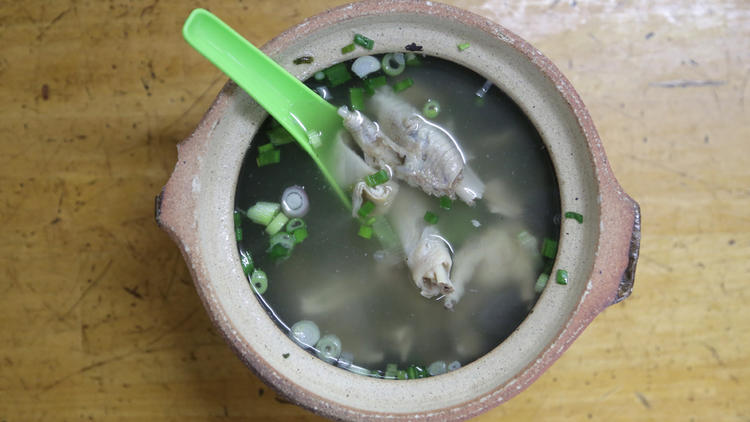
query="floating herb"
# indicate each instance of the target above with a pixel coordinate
(268, 157)
(237, 225)
(374, 83)
(575, 216)
(259, 281)
(431, 109)
(366, 208)
(376, 179)
(363, 41)
(549, 248)
(337, 74)
(357, 97)
(541, 282)
(365, 231)
(263, 212)
(246, 260)
(402, 85)
(430, 217)
(279, 136)
(278, 222)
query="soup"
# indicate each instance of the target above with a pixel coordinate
(343, 283)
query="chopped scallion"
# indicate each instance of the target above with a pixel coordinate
(365, 65)
(278, 136)
(367, 221)
(299, 235)
(437, 368)
(412, 59)
(575, 216)
(374, 83)
(259, 281)
(385, 234)
(391, 370)
(430, 217)
(279, 252)
(402, 85)
(421, 372)
(277, 224)
(393, 64)
(378, 178)
(263, 212)
(268, 157)
(266, 147)
(294, 224)
(541, 282)
(431, 109)
(401, 374)
(348, 49)
(463, 46)
(366, 208)
(237, 225)
(529, 242)
(246, 260)
(363, 41)
(337, 74)
(329, 348)
(304, 60)
(411, 372)
(445, 203)
(365, 232)
(281, 245)
(562, 277)
(549, 248)
(357, 97)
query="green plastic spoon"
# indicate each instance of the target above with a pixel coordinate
(297, 108)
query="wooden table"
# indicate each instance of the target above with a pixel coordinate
(99, 316)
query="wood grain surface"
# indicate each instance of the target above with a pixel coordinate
(100, 320)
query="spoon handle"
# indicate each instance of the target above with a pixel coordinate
(296, 107)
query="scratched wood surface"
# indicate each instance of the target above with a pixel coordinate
(100, 320)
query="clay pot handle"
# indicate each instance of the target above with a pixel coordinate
(628, 276)
(176, 205)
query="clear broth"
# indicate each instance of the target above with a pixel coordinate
(333, 278)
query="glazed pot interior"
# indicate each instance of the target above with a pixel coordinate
(329, 389)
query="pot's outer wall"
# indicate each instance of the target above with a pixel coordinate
(183, 213)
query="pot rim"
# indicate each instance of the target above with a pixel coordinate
(618, 215)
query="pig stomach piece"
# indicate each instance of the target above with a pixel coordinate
(432, 159)
(427, 254)
(492, 258)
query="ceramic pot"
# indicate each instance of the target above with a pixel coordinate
(196, 205)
